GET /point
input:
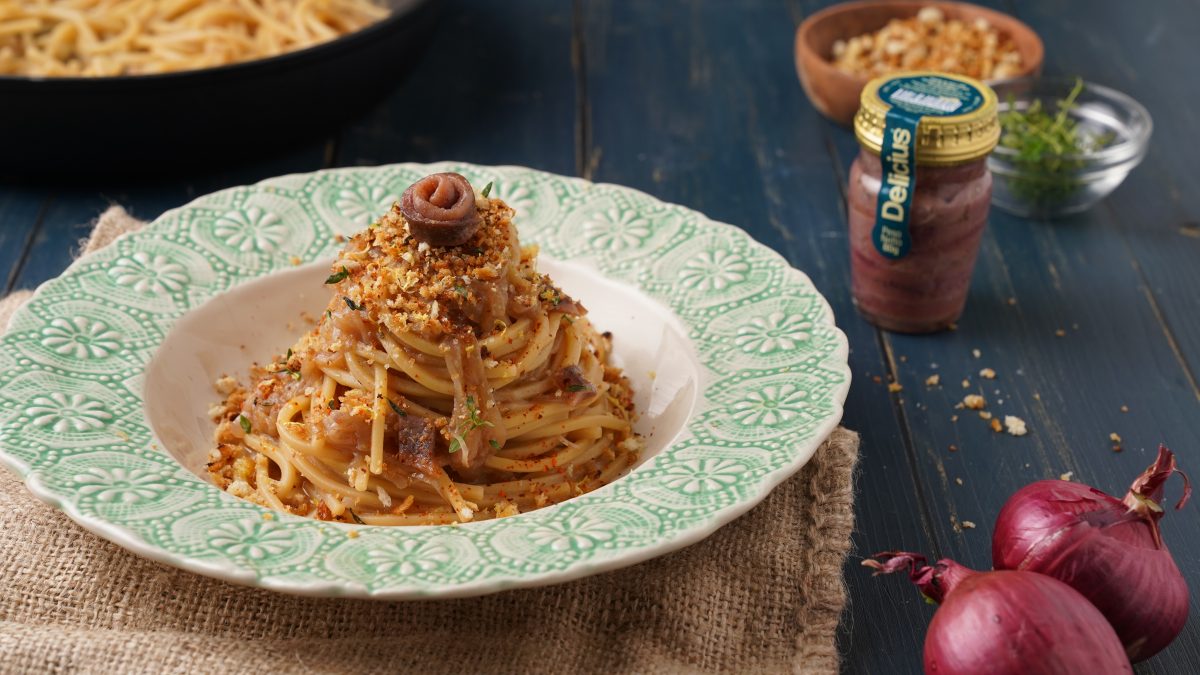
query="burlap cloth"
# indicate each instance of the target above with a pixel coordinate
(763, 594)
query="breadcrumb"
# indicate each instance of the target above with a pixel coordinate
(987, 373)
(933, 380)
(974, 401)
(1015, 425)
(930, 40)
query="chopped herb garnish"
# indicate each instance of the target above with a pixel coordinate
(351, 304)
(578, 387)
(328, 314)
(355, 517)
(473, 417)
(333, 404)
(339, 276)
(494, 443)
(294, 373)
(397, 409)
(245, 423)
(289, 354)
(461, 290)
(568, 318)
(487, 190)
(473, 422)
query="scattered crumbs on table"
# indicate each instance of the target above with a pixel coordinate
(1037, 396)
(933, 366)
(996, 426)
(966, 383)
(958, 480)
(933, 380)
(877, 379)
(339, 238)
(895, 387)
(996, 392)
(954, 418)
(987, 373)
(1060, 333)
(1021, 372)
(1012, 301)
(985, 415)
(999, 401)
(295, 260)
(953, 448)
(954, 525)
(1065, 476)
(903, 359)
(268, 516)
(353, 534)
(967, 524)
(1074, 326)
(1124, 408)
(976, 353)
(974, 401)
(1114, 437)
(653, 374)
(1015, 425)
(1190, 230)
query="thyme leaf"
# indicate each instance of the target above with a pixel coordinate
(339, 276)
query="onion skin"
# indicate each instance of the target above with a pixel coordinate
(1007, 622)
(1109, 550)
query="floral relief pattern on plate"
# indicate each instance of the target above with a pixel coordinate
(73, 423)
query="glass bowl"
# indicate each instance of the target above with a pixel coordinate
(1024, 187)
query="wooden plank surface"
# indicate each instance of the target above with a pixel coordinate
(696, 102)
(715, 120)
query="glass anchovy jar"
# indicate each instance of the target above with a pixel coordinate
(918, 197)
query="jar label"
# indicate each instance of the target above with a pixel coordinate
(910, 99)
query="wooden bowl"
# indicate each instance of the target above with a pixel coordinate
(836, 93)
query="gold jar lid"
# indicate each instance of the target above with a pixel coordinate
(957, 115)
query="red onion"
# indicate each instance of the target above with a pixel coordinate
(1008, 622)
(1107, 549)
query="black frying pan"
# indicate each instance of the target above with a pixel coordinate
(171, 122)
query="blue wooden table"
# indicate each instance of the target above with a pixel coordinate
(1091, 324)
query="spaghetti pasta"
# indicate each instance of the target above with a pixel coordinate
(442, 384)
(101, 38)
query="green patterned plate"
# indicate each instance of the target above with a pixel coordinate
(751, 376)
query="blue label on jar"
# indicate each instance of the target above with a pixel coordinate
(911, 99)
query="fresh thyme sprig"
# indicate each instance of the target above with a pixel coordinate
(473, 422)
(1049, 148)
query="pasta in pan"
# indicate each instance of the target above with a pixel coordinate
(447, 381)
(57, 38)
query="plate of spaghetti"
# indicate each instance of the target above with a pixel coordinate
(115, 80)
(418, 381)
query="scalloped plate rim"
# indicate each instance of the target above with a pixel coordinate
(229, 571)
